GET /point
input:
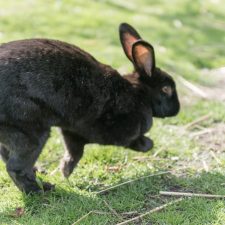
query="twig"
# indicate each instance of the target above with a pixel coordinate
(205, 166)
(199, 127)
(151, 211)
(130, 181)
(55, 171)
(214, 156)
(157, 152)
(89, 213)
(202, 132)
(112, 210)
(129, 213)
(193, 88)
(82, 218)
(141, 158)
(186, 194)
(199, 120)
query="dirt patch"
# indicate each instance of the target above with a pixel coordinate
(213, 139)
(212, 148)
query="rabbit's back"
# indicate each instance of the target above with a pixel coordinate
(29, 48)
(43, 55)
(40, 77)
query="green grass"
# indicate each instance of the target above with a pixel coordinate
(188, 37)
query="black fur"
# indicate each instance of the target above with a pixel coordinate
(45, 83)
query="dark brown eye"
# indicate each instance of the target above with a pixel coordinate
(167, 90)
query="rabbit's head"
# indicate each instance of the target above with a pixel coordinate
(162, 88)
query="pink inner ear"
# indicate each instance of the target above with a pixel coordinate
(128, 42)
(144, 58)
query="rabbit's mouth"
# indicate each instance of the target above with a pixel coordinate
(162, 111)
(172, 110)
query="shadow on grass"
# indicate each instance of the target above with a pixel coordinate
(65, 206)
(57, 207)
(143, 195)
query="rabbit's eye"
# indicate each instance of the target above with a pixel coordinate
(167, 90)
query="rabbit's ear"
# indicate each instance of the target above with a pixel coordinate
(128, 35)
(143, 57)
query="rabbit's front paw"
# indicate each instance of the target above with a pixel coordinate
(142, 144)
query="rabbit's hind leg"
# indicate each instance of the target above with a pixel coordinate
(4, 153)
(74, 146)
(24, 148)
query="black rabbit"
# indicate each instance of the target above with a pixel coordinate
(45, 83)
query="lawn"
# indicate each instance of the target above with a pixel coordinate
(189, 40)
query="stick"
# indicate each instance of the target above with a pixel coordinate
(55, 171)
(202, 132)
(157, 152)
(130, 181)
(193, 88)
(214, 156)
(199, 120)
(89, 213)
(151, 211)
(205, 166)
(83, 217)
(129, 213)
(112, 210)
(186, 194)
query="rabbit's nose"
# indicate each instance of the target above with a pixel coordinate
(168, 90)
